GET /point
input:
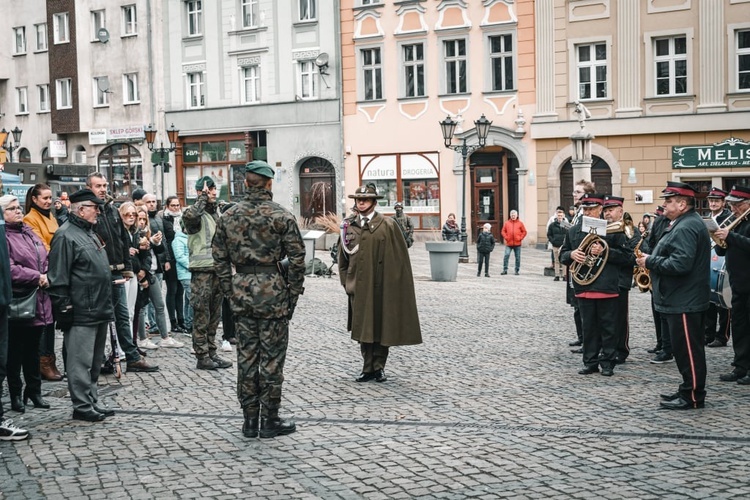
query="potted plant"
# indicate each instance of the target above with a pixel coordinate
(443, 257)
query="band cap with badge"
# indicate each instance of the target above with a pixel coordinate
(675, 188)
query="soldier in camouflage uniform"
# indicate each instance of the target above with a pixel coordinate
(200, 225)
(254, 236)
(404, 222)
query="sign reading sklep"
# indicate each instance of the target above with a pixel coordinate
(732, 152)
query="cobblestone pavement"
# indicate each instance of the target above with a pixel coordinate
(490, 406)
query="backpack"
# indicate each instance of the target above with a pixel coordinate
(316, 267)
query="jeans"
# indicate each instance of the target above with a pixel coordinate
(157, 301)
(506, 257)
(175, 295)
(188, 312)
(122, 323)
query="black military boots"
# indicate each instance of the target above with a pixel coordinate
(250, 426)
(272, 425)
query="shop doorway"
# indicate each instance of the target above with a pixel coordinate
(486, 193)
(316, 183)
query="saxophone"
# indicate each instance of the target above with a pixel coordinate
(641, 274)
(586, 272)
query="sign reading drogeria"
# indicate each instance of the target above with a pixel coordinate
(732, 152)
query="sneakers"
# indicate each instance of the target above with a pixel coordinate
(220, 362)
(226, 346)
(662, 357)
(9, 432)
(147, 344)
(170, 342)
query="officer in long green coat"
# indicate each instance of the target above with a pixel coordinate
(375, 270)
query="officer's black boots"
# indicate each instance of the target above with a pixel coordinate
(272, 425)
(250, 427)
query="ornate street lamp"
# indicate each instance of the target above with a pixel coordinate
(7, 145)
(161, 154)
(448, 127)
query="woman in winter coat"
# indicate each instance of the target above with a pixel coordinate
(28, 271)
(485, 245)
(513, 233)
(451, 231)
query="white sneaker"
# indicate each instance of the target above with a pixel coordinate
(9, 432)
(170, 342)
(226, 346)
(147, 344)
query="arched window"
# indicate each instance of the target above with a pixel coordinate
(601, 176)
(24, 156)
(46, 158)
(122, 164)
(317, 179)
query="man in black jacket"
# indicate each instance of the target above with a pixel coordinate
(737, 255)
(663, 348)
(679, 268)
(117, 246)
(81, 293)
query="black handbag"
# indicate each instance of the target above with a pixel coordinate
(23, 307)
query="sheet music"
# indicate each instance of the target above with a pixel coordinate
(711, 224)
(597, 226)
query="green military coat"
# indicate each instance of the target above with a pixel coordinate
(376, 272)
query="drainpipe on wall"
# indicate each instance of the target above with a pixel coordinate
(151, 110)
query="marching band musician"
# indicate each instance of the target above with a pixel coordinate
(614, 212)
(582, 187)
(679, 268)
(598, 300)
(737, 255)
(720, 214)
(663, 348)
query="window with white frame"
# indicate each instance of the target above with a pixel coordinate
(194, 17)
(130, 93)
(307, 10)
(249, 13)
(98, 21)
(22, 100)
(670, 65)
(19, 40)
(41, 36)
(101, 91)
(60, 32)
(454, 54)
(43, 91)
(307, 80)
(129, 20)
(591, 60)
(64, 93)
(370, 2)
(412, 59)
(250, 84)
(501, 62)
(372, 74)
(743, 60)
(195, 91)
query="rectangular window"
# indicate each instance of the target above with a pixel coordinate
(60, 27)
(19, 40)
(130, 93)
(413, 61)
(196, 94)
(454, 54)
(670, 59)
(251, 84)
(98, 22)
(370, 2)
(592, 71)
(129, 20)
(501, 62)
(308, 80)
(307, 10)
(22, 100)
(41, 37)
(101, 91)
(43, 98)
(64, 93)
(743, 60)
(249, 13)
(372, 74)
(194, 16)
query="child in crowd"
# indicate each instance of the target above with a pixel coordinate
(485, 245)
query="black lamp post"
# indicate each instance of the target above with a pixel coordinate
(448, 127)
(161, 153)
(7, 145)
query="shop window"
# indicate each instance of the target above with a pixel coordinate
(122, 164)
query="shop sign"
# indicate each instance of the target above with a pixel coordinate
(98, 136)
(413, 166)
(126, 134)
(732, 152)
(58, 149)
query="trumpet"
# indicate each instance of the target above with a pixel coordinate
(729, 224)
(641, 274)
(586, 272)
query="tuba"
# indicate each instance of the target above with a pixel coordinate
(641, 274)
(586, 272)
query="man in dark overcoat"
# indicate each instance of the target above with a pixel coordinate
(375, 270)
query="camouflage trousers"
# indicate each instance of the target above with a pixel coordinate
(261, 353)
(205, 297)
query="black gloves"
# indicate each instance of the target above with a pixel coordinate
(64, 317)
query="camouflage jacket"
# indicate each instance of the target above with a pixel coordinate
(407, 228)
(259, 232)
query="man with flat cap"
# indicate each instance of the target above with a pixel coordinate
(200, 221)
(679, 266)
(255, 236)
(737, 254)
(375, 270)
(720, 213)
(597, 300)
(81, 292)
